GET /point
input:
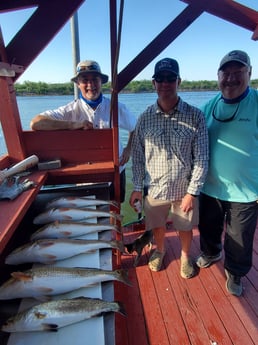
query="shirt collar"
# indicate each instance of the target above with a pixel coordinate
(177, 108)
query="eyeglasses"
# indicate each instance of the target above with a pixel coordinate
(86, 80)
(236, 74)
(165, 78)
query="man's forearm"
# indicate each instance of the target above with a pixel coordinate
(46, 123)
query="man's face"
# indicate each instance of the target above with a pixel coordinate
(90, 85)
(233, 79)
(166, 84)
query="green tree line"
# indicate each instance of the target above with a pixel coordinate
(136, 86)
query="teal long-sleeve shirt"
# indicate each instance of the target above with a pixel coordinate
(233, 166)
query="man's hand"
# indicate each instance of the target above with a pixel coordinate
(187, 203)
(82, 125)
(125, 156)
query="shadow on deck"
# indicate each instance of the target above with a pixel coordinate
(162, 308)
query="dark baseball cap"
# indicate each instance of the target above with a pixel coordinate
(166, 65)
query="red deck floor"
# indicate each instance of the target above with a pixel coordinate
(162, 308)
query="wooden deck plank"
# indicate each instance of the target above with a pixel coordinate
(135, 333)
(197, 311)
(202, 323)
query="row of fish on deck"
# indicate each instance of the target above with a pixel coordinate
(63, 222)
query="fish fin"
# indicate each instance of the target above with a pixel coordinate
(91, 285)
(40, 315)
(122, 276)
(43, 298)
(50, 258)
(66, 233)
(56, 223)
(118, 245)
(121, 309)
(117, 229)
(50, 327)
(114, 203)
(116, 215)
(46, 243)
(22, 276)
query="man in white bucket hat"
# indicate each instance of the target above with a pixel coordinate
(91, 110)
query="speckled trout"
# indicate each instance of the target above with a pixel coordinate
(50, 316)
(81, 202)
(46, 281)
(48, 251)
(72, 214)
(70, 229)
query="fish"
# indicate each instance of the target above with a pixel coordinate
(72, 214)
(139, 243)
(43, 282)
(52, 315)
(66, 229)
(80, 202)
(48, 251)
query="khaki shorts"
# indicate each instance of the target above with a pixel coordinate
(157, 211)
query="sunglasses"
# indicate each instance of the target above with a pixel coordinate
(165, 78)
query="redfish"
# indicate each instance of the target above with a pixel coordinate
(80, 202)
(48, 251)
(72, 214)
(68, 229)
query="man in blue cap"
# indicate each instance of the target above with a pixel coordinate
(170, 155)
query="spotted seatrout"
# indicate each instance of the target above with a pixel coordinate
(65, 229)
(46, 281)
(75, 201)
(48, 251)
(50, 316)
(72, 214)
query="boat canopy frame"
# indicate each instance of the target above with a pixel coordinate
(97, 159)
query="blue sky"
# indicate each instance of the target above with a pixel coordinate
(198, 50)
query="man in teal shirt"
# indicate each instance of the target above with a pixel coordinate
(230, 193)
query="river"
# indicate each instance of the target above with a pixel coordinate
(29, 106)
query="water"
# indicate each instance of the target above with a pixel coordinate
(31, 105)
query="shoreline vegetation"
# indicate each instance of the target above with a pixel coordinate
(29, 88)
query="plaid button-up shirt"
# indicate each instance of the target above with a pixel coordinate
(170, 152)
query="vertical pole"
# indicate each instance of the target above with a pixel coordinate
(75, 46)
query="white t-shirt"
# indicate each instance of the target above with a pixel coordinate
(79, 110)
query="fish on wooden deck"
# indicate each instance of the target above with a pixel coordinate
(138, 244)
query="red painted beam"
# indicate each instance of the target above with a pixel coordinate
(231, 11)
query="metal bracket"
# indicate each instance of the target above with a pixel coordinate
(7, 70)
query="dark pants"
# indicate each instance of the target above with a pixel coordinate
(122, 187)
(240, 221)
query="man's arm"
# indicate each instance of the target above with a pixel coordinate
(46, 123)
(127, 150)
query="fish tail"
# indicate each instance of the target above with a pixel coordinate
(122, 276)
(121, 309)
(50, 327)
(116, 215)
(118, 245)
(114, 203)
(117, 229)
